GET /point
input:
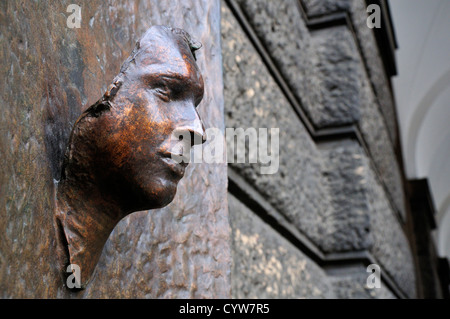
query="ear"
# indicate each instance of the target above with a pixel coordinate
(98, 108)
(113, 89)
(103, 104)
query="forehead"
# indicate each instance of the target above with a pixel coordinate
(177, 69)
(166, 54)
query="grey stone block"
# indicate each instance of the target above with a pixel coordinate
(319, 7)
(265, 265)
(369, 49)
(283, 32)
(340, 72)
(349, 89)
(375, 133)
(352, 284)
(390, 245)
(375, 66)
(345, 174)
(253, 99)
(364, 218)
(377, 124)
(327, 90)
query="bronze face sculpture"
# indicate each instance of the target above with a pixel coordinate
(124, 151)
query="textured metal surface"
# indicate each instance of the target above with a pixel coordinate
(128, 151)
(50, 74)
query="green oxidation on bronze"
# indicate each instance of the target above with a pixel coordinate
(51, 75)
(120, 157)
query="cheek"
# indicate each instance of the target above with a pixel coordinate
(152, 117)
(120, 140)
(133, 131)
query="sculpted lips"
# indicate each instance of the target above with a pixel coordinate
(176, 162)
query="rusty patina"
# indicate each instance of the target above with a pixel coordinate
(124, 151)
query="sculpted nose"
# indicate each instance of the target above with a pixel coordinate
(194, 130)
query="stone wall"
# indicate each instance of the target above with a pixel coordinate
(50, 74)
(266, 265)
(336, 204)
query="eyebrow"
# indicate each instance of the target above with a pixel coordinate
(166, 77)
(174, 77)
(171, 78)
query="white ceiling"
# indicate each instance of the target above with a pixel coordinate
(422, 92)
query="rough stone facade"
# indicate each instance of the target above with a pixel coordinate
(350, 285)
(364, 218)
(266, 265)
(338, 198)
(370, 51)
(252, 99)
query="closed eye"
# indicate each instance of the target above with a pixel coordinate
(163, 93)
